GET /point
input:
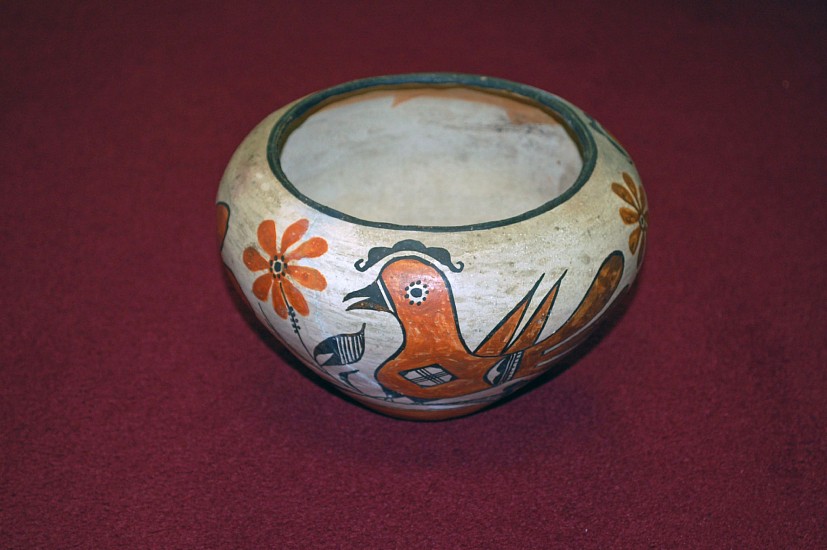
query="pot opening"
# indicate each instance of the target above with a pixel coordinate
(431, 155)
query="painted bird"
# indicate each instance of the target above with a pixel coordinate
(434, 361)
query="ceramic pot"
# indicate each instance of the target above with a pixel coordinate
(430, 243)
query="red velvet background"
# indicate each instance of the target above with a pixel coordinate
(139, 408)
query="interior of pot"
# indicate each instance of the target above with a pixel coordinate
(431, 156)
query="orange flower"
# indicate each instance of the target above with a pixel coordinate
(282, 272)
(638, 215)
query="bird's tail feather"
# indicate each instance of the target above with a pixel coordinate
(495, 343)
(598, 296)
(537, 322)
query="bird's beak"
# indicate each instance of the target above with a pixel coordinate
(374, 297)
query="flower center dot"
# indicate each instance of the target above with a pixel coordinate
(277, 266)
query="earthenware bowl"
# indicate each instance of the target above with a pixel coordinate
(429, 243)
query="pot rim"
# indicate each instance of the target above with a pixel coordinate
(550, 103)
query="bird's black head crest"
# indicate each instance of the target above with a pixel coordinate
(379, 253)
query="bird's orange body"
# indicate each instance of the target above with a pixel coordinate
(434, 361)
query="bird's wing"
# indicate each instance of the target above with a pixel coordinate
(498, 339)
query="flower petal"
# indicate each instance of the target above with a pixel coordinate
(630, 183)
(307, 277)
(634, 239)
(621, 192)
(293, 234)
(278, 301)
(643, 202)
(294, 297)
(261, 286)
(267, 237)
(629, 216)
(313, 248)
(254, 260)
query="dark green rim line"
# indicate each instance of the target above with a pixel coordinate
(282, 128)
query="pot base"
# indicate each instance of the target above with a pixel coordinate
(433, 415)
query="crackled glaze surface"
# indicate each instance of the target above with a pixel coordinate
(430, 243)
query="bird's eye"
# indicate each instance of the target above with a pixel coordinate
(416, 293)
